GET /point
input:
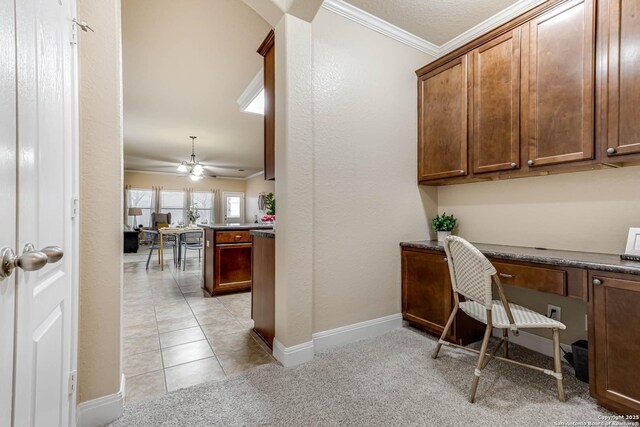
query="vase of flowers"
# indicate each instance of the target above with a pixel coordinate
(193, 215)
(443, 225)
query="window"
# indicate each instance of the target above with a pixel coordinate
(203, 201)
(172, 201)
(233, 207)
(140, 198)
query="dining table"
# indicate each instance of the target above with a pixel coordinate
(178, 232)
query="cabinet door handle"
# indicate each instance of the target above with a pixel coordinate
(611, 151)
(531, 162)
(238, 237)
(506, 276)
(514, 165)
(597, 282)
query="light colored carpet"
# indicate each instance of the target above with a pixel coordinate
(387, 380)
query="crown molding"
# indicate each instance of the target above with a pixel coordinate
(502, 17)
(346, 10)
(368, 20)
(237, 178)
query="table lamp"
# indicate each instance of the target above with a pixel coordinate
(134, 212)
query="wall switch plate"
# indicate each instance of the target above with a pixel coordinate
(554, 312)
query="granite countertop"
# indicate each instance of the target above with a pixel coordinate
(269, 234)
(246, 226)
(588, 260)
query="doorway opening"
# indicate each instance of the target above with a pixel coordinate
(194, 177)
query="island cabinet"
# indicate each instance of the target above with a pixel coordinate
(614, 341)
(620, 80)
(554, 90)
(263, 290)
(227, 259)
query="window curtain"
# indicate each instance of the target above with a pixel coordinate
(155, 201)
(188, 201)
(127, 204)
(216, 213)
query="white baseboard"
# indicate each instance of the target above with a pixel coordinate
(350, 333)
(103, 410)
(533, 342)
(301, 353)
(292, 356)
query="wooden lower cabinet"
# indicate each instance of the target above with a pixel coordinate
(263, 290)
(614, 343)
(427, 299)
(227, 260)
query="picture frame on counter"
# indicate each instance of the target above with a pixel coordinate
(632, 251)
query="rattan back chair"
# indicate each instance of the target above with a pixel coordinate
(472, 277)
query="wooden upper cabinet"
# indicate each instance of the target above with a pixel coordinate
(496, 101)
(621, 99)
(268, 51)
(442, 116)
(558, 84)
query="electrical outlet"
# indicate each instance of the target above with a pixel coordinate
(554, 312)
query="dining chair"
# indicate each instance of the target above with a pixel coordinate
(153, 237)
(472, 276)
(191, 241)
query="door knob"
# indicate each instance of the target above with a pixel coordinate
(531, 162)
(30, 260)
(611, 151)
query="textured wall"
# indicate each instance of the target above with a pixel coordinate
(255, 186)
(294, 181)
(99, 363)
(586, 211)
(365, 195)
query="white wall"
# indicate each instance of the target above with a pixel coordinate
(100, 91)
(366, 199)
(255, 186)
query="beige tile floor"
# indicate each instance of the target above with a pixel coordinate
(175, 336)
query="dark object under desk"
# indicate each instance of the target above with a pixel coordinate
(608, 285)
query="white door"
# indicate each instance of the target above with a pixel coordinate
(233, 207)
(38, 206)
(7, 201)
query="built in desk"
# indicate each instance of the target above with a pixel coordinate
(608, 285)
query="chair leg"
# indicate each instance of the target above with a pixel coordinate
(505, 337)
(483, 351)
(445, 332)
(184, 260)
(149, 258)
(558, 364)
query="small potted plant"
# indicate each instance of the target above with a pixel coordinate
(443, 225)
(193, 215)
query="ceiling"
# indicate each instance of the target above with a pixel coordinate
(436, 21)
(185, 64)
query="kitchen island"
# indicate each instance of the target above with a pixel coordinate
(227, 257)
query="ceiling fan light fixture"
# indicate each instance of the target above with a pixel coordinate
(198, 169)
(193, 166)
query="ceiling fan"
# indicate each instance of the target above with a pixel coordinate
(192, 166)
